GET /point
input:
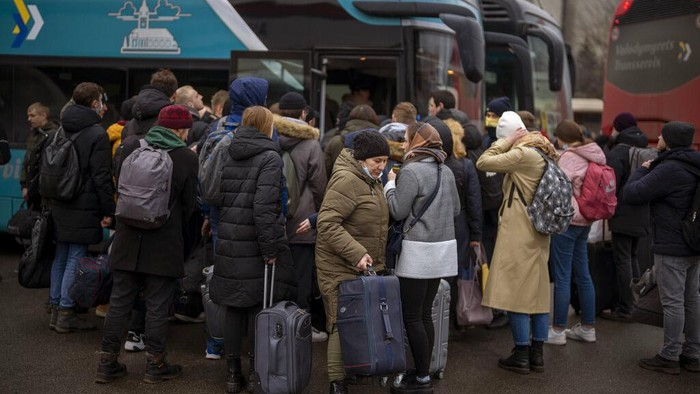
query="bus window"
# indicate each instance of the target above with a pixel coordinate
(284, 74)
(501, 64)
(550, 107)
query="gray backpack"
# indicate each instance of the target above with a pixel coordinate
(144, 187)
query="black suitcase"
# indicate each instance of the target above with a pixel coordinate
(602, 268)
(282, 344)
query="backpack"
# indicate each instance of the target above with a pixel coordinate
(144, 187)
(637, 156)
(690, 225)
(212, 158)
(292, 182)
(598, 197)
(60, 177)
(550, 210)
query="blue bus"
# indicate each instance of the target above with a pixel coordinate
(399, 50)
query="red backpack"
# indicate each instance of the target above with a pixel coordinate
(598, 197)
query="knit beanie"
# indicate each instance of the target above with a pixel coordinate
(624, 120)
(499, 105)
(369, 144)
(175, 117)
(568, 131)
(508, 124)
(678, 134)
(292, 100)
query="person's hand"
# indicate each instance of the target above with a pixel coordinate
(364, 263)
(304, 227)
(25, 194)
(391, 175)
(106, 221)
(646, 164)
(271, 260)
(474, 244)
(206, 228)
(518, 134)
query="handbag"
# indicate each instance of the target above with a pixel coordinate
(647, 300)
(397, 232)
(22, 222)
(34, 271)
(470, 311)
(93, 280)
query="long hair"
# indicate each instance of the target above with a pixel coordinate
(258, 117)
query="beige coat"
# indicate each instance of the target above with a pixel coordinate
(519, 277)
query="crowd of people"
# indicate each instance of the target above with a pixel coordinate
(320, 210)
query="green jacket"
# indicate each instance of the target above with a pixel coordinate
(353, 220)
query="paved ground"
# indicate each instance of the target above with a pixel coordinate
(34, 359)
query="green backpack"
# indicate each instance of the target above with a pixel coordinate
(292, 182)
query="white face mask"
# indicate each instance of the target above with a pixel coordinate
(368, 173)
(98, 109)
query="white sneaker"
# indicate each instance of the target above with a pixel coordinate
(556, 338)
(134, 342)
(318, 336)
(579, 333)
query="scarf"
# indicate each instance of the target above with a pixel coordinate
(426, 143)
(162, 138)
(537, 140)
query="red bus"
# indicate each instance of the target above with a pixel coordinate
(653, 64)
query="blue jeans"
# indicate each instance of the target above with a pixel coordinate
(520, 327)
(677, 278)
(63, 269)
(569, 255)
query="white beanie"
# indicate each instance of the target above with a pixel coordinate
(508, 124)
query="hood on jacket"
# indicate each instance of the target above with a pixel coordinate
(347, 162)
(163, 138)
(445, 134)
(591, 152)
(687, 155)
(77, 117)
(149, 102)
(292, 131)
(248, 142)
(246, 92)
(632, 136)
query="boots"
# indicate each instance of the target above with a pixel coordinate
(109, 369)
(252, 376)
(536, 359)
(235, 381)
(67, 321)
(519, 360)
(54, 316)
(338, 387)
(159, 370)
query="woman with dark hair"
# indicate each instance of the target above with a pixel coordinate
(429, 249)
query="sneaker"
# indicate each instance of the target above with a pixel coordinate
(318, 336)
(188, 319)
(214, 349)
(660, 364)
(101, 310)
(690, 364)
(134, 342)
(556, 338)
(616, 315)
(579, 333)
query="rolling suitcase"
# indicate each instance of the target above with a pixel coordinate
(282, 344)
(370, 325)
(602, 268)
(441, 322)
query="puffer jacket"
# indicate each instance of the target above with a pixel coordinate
(300, 140)
(629, 219)
(669, 188)
(354, 220)
(574, 162)
(251, 226)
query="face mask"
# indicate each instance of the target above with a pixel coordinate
(98, 110)
(366, 170)
(491, 122)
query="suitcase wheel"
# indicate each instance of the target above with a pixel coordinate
(439, 375)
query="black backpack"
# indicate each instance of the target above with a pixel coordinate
(690, 226)
(60, 177)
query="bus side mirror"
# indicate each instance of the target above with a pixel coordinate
(557, 53)
(470, 40)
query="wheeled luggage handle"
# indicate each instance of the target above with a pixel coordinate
(271, 287)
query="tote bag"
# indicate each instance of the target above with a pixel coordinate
(469, 294)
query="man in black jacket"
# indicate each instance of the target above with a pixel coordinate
(669, 184)
(150, 261)
(630, 221)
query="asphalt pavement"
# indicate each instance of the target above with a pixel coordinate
(34, 359)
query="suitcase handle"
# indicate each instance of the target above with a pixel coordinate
(271, 287)
(384, 308)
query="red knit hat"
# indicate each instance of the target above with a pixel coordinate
(175, 117)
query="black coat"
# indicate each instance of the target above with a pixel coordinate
(78, 221)
(160, 251)
(251, 224)
(629, 219)
(670, 188)
(148, 104)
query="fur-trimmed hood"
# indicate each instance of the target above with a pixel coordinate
(296, 129)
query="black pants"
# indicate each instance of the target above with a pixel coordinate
(417, 297)
(489, 232)
(625, 256)
(240, 322)
(157, 292)
(303, 256)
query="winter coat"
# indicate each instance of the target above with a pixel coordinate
(669, 188)
(629, 219)
(160, 251)
(251, 225)
(519, 277)
(429, 250)
(34, 145)
(574, 162)
(354, 220)
(148, 104)
(337, 143)
(198, 130)
(300, 140)
(78, 221)
(114, 133)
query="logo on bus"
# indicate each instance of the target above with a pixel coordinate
(24, 15)
(145, 39)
